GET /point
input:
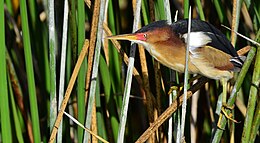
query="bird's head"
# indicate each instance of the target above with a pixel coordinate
(158, 31)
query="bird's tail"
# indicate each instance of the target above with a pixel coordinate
(237, 62)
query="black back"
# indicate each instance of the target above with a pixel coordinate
(153, 25)
(219, 40)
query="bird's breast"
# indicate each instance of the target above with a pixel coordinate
(171, 56)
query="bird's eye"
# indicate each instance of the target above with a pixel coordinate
(145, 35)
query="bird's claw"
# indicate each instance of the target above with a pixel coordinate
(172, 88)
(180, 86)
(226, 114)
(228, 107)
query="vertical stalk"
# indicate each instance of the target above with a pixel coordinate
(184, 104)
(62, 65)
(253, 95)
(106, 82)
(114, 66)
(52, 52)
(256, 124)
(220, 10)
(33, 13)
(186, 8)
(93, 36)
(235, 24)
(150, 100)
(123, 114)
(200, 9)
(169, 20)
(30, 72)
(235, 19)
(94, 76)
(82, 73)
(4, 106)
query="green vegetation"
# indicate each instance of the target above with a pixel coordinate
(33, 34)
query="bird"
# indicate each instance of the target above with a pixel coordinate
(210, 52)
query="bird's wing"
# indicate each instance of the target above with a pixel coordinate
(205, 37)
(212, 62)
(218, 39)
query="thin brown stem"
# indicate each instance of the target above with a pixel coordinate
(93, 38)
(94, 122)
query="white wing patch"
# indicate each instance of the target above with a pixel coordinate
(197, 39)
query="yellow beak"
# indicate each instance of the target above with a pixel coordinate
(129, 37)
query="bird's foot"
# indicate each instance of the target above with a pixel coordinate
(228, 107)
(229, 116)
(180, 86)
(172, 88)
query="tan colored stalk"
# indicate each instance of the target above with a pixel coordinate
(234, 17)
(92, 44)
(149, 97)
(157, 72)
(94, 122)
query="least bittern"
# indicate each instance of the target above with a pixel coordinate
(211, 53)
